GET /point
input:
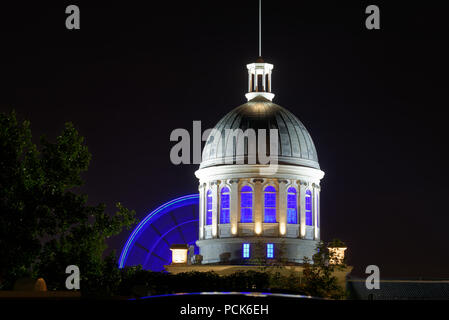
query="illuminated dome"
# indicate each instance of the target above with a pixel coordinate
(295, 143)
(259, 182)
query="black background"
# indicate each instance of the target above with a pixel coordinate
(374, 101)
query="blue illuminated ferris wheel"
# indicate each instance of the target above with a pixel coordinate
(175, 221)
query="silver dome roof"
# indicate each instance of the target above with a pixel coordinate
(295, 143)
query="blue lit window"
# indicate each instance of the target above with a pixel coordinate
(246, 204)
(292, 207)
(209, 208)
(246, 250)
(224, 213)
(309, 221)
(270, 204)
(270, 250)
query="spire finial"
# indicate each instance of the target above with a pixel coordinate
(259, 73)
(260, 28)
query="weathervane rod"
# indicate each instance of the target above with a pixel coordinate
(260, 28)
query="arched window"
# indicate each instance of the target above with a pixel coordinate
(309, 221)
(292, 206)
(246, 204)
(209, 208)
(270, 204)
(224, 213)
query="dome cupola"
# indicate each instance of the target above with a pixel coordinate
(259, 80)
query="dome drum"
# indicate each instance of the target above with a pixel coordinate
(297, 249)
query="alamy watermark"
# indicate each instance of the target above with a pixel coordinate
(373, 280)
(227, 146)
(72, 22)
(73, 280)
(372, 22)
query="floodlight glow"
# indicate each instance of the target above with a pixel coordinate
(179, 255)
(282, 228)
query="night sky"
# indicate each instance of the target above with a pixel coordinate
(374, 101)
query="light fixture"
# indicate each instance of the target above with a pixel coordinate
(179, 253)
(282, 228)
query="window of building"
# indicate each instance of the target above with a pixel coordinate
(270, 250)
(246, 250)
(270, 204)
(246, 204)
(225, 205)
(292, 206)
(309, 221)
(209, 208)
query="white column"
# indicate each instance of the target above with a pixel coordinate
(315, 213)
(215, 210)
(249, 81)
(258, 205)
(281, 214)
(269, 82)
(201, 213)
(302, 209)
(319, 212)
(234, 207)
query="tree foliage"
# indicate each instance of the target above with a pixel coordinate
(318, 278)
(45, 225)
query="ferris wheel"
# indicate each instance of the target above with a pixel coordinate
(174, 222)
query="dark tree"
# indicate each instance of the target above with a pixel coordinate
(318, 277)
(45, 224)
